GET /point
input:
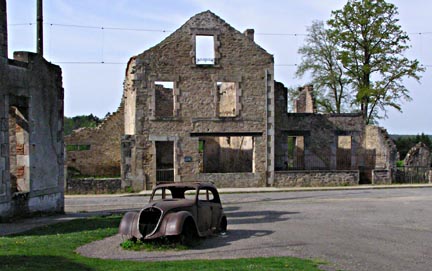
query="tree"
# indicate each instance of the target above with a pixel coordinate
(76, 122)
(321, 59)
(371, 50)
(369, 46)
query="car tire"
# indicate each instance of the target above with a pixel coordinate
(189, 235)
(223, 225)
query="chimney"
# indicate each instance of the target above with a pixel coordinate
(249, 33)
(39, 31)
(3, 30)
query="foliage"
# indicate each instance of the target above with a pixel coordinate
(155, 245)
(405, 142)
(363, 51)
(53, 248)
(76, 122)
(320, 58)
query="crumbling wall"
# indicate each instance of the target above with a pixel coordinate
(319, 133)
(34, 86)
(305, 102)
(100, 154)
(419, 156)
(237, 59)
(380, 154)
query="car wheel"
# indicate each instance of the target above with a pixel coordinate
(189, 235)
(223, 225)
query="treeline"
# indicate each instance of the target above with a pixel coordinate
(405, 142)
(76, 122)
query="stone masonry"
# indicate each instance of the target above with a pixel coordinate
(419, 155)
(328, 146)
(239, 77)
(224, 119)
(31, 132)
(97, 150)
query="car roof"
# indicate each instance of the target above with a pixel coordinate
(194, 185)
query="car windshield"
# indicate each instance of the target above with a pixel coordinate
(174, 193)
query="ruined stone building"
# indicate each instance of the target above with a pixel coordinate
(328, 149)
(203, 105)
(31, 132)
(96, 151)
(199, 114)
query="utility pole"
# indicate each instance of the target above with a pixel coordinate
(39, 33)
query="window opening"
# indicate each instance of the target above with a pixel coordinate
(343, 153)
(78, 147)
(164, 161)
(295, 153)
(227, 94)
(204, 50)
(164, 99)
(227, 154)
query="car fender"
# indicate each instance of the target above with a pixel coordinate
(174, 222)
(129, 225)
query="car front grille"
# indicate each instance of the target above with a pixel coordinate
(149, 220)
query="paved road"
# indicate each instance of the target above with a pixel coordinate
(354, 230)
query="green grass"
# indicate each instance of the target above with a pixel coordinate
(52, 248)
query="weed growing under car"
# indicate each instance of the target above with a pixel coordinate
(155, 245)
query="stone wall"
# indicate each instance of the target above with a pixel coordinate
(316, 178)
(196, 102)
(419, 156)
(377, 141)
(381, 176)
(305, 102)
(31, 135)
(93, 186)
(103, 156)
(3, 30)
(232, 179)
(319, 134)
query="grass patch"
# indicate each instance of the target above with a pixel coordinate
(52, 248)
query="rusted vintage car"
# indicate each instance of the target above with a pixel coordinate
(183, 210)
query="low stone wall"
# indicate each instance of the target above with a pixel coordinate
(430, 176)
(381, 176)
(232, 180)
(93, 186)
(316, 178)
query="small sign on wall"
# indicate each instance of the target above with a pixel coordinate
(187, 159)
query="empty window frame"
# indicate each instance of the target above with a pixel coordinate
(226, 154)
(204, 50)
(343, 153)
(227, 99)
(164, 99)
(164, 161)
(295, 153)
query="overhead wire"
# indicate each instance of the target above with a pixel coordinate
(102, 28)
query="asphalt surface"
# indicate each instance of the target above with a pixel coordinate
(352, 230)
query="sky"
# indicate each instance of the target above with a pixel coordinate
(80, 34)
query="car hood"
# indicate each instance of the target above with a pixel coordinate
(166, 205)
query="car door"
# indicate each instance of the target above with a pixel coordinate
(204, 212)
